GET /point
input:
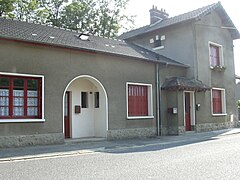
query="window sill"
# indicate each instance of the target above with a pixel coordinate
(140, 117)
(21, 120)
(219, 114)
(218, 68)
(157, 48)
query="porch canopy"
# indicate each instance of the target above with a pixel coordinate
(184, 84)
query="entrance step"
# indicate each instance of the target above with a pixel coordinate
(87, 139)
(189, 132)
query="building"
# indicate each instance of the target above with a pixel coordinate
(57, 83)
(202, 39)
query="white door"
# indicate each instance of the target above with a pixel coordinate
(90, 96)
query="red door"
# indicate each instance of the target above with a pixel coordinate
(66, 115)
(187, 112)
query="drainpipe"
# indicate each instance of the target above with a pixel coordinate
(158, 100)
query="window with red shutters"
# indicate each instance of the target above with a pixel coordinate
(217, 101)
(137, 100)
(20, 97)
(214, 56)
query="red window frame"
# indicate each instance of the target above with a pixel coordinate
(25, 97)
(137, 100)
(217, 101)
(214, 55)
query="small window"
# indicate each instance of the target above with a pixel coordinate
(139, 100)
(84, 99)
(157, 42)
(218, 101)
(215, 55)
(96, 99)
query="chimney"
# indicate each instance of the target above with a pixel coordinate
(157, 15)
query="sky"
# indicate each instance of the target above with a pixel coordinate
(140, 8)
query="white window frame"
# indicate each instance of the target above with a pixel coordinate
(161, 38)
(223, 97)
(26, 120)
(220, 53)
(150, 101)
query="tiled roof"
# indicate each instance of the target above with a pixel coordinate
(41, 34)
(182, 83)
(192, 15)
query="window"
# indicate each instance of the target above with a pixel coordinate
(218, 101)
(20, 97)
(139, 100)
(84, 99)
(215, 55)
(157, 42)
(96, 99)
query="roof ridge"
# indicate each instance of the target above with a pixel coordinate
(205, 9)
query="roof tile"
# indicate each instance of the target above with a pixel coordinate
(18, 30)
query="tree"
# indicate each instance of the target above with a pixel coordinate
(99, 17)
(26, 10)
(52, 10)
(110, 17)
(78, 15)
(6, 7)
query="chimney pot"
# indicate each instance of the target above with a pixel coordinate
(157, 15)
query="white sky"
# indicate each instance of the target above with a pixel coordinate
(140, 8)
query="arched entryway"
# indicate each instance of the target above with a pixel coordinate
(85, 108)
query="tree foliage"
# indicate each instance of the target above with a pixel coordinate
(99, 17)
(6, 7)
(26, 10)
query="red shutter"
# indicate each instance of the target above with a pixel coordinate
(137, 100)
(217, 101)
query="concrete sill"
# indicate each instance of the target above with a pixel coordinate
(219, 114)
(140, 117)
(21, 120)
(157, 48)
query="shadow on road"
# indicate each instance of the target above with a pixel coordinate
(116, 147)
(153, 146)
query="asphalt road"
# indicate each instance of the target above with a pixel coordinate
(210, 159)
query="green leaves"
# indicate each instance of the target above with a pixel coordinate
(98, 17)
(102, 17)
(6, 7)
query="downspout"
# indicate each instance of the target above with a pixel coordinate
(195, 55)
(195, 62)
(158, 100)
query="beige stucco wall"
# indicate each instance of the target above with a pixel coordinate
(59, 66)
(209, 30)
